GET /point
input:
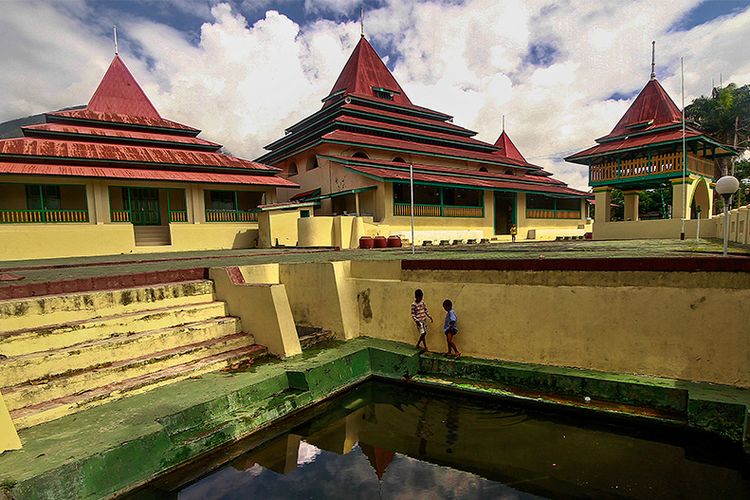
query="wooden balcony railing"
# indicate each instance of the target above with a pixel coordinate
(178, 216)
(120, 215)
(424, 210)
(655, 165)
(228, 215)
(43, 216)
(534, 213)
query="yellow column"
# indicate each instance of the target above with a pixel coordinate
(603, 200)
(631, 205)
(679, 210)
(198, 204)
(9, 439)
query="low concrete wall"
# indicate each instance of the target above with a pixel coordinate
(263, 310)
(739, 225)
(278, 227)
(43, 241)
(684, 328)
(653, 229)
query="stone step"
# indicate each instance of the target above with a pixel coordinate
(33, 393)
(41, 365)
(52, 409)
(311, 335)
(152, 235)
(30, 340)
(36, 312)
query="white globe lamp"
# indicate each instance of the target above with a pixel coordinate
(726, 187)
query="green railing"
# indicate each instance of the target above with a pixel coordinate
(428, 210)
(43, 216)
(178, 216)
(230, 215)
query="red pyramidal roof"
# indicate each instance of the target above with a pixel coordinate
(653, 108)
(364, 72)
(119, 93)
(508, 149)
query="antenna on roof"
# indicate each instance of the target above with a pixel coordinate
(362, 20)
(114, 31)
(653, 59)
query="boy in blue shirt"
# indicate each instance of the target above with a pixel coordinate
(450, 327)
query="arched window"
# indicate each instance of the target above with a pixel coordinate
(398, 159)
(361, 154)
(483, 169)
(293, 169)
(312, 163)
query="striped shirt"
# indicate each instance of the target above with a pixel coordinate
(419, 312)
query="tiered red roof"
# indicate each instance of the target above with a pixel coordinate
(120, 134)
(367, 107)
(653, 118)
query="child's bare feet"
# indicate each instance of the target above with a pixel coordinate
(458, 355)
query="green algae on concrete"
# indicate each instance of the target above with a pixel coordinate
(120, 445)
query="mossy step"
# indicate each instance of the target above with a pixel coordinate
(30, 340)
(19, 369)
(35, 392)
(50, 410)
(34, 312)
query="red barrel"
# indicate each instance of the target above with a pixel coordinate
(380, 242)
(366, 242)
(394, 242)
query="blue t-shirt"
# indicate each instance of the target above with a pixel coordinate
(450, 317)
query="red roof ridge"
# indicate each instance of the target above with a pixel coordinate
(653, 108)
(508, 149)
(119, 93)
(363, 71)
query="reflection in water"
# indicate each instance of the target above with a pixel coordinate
(389, 441)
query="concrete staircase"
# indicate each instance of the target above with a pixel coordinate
(151, 236)
(63, 353)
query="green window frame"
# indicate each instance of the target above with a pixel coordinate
(44, 205)
(548, 207)
(223, 206)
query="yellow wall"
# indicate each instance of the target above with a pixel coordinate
(653, 229)
(40, 241)
(263, 310)
(739, 225)
(686, 329)
(279, 227)
(213, 235)
(8, 436)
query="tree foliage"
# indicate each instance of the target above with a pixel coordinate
(716, 114)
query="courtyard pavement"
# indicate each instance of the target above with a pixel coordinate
(44, 270)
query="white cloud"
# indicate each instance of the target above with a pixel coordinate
(243, 84)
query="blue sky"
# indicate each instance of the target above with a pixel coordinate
(561, 71)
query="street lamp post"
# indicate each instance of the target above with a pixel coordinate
(726, 187)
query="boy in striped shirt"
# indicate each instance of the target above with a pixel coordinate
(420, 314)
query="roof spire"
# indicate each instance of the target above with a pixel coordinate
(362, 20)
(114, 31)
(653, 59)
(503, 124)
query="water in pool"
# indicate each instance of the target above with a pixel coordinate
(390, 441)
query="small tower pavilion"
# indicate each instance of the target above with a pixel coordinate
(645, 151)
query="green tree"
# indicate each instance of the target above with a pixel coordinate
(722, 115)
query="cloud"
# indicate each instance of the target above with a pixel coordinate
(551, 67)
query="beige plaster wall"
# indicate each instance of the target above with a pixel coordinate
(739, 225)
(653, 229)
(279, 227)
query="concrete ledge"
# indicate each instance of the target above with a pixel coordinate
(653, 264)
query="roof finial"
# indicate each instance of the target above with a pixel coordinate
(114, 31)
(503, 123)
(362, 20)
(653, 60)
